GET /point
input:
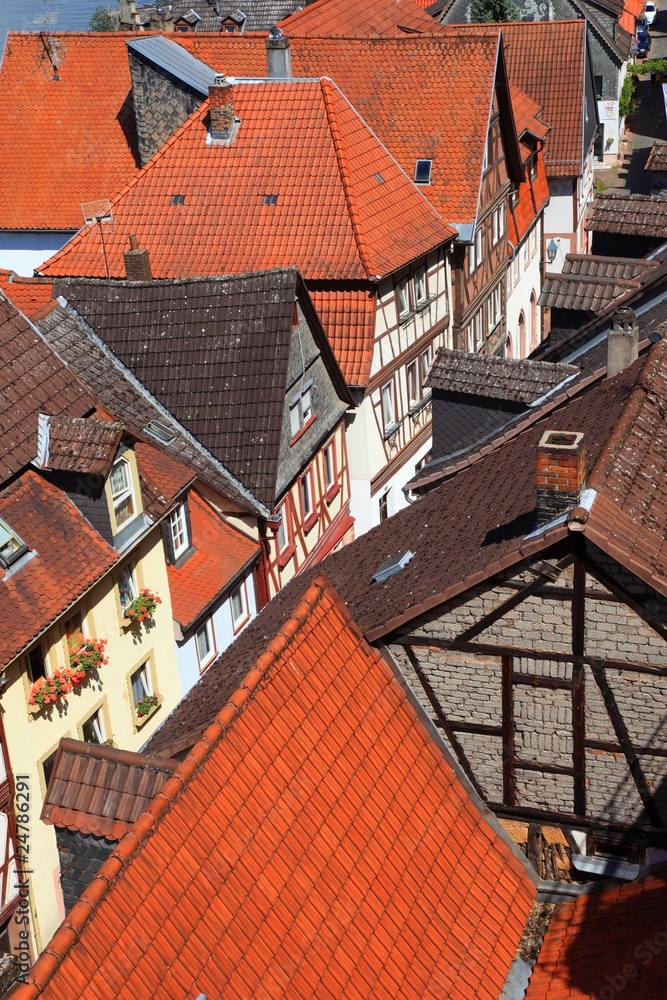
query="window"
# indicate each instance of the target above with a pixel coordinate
(488, 151)
(205, 642)
(423, 171)
(526, 254)
(412, 373)
(11, 545)
(47, 767)
(284, 539)
(388, 408)
(239, 606)
(403, 298)
(533, 241)
(178, 531)
(36, 663)
(515, 269)
(598, 87)
(422, 462)
(498, 223)
(306, 494)
(74, 633)
(127, 586)
(475, 332)
(93, 730)
(383, 504)
(122, 491)
(140, 682)
(301, 410)
(161, 431)
(426, 361)
(475, 251)
(330, 466)
(421, 294)
(493, 306)
(532, 167)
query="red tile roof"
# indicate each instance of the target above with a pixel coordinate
(30, 295)
(68, 140)
(168, 475)
(349, 19)
(300, 140)
(546, 59)
(607, 943)
(69, 556)
(102, 790)
(348, 317)
(632, 12)
(315, 843)
(33, 380)
(221, 554)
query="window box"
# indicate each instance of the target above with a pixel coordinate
(142, 608)
(149, 706)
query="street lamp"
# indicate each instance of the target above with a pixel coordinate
(552, 250)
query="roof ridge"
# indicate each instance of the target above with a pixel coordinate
(142, 829)
(115, 755)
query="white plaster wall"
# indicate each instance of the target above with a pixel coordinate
(523, 277)
(24, 252)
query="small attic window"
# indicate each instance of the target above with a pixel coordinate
(423, 171)
(178, 199)
(161, 431)
(392, 566)
(270, 199)
(12, 545)
(379, 178)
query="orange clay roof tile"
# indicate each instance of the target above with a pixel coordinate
(221, 552)
(349, 19)
(299, 140)
(30, 295)
(261, 868)
(348, 318)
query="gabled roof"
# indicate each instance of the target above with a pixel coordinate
(629, 215)
(317, 842)
(547, 60)
(66, 557)
(657, 158)
(75, 444)
(221, 554)
(344, 208)
(215, 353)
(591, 283)
(29, 295)
(607, 939)
(520, 381)
(348, 19)
(33, 380)
(100, 790)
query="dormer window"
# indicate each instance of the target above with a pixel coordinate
(12, 545)
(122, 491)
(301, 410)
(423, 171)
(179, 533)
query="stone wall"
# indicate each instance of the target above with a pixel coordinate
(161, 105)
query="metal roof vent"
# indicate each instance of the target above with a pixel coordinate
(392, 566)
(161, 431)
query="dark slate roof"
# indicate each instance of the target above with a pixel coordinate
(102, 790)
(260, 15)
(214, 352)
(629, 215)
(472, 526)
(33, 380)
(122, 394)
(590, 283)
(657, 158)
(174, 59)
(76, 444)
(498, 378)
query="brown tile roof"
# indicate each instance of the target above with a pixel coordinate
(629, 215)
(33, 380)
(221, 553)
(349, 19)
(228, 384)
(657, 158)
(317, 842)
(606, 943)
(66, 557)
(344, 209)
(591, 283)
(76, 444)
(121, 393)
(546, 59)
(522, 381)
(102, 790)
(165, 474)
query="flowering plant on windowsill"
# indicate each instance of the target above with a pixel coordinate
(88, 657)
(147, 704)
(48, 689)
(142, 607)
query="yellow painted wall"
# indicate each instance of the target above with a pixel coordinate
(31, 738)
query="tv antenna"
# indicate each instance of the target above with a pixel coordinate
(94, 214)
(48, 19)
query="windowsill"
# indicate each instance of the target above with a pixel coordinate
(238, 626)
(420, 404)
(332, 493)
(203, 667)
(141, 720)
(406, 317)
(310, 522)
(285, 556)
(300, 433)
(182, 559)
(390, 431)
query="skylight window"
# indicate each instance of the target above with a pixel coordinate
(270, 199)
(423, 171)
(178, 199)
(379, 178)
(12, 545)
(160, 431)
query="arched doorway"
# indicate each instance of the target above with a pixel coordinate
(508, 347)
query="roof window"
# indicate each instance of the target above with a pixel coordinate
(161, 431)
(392, 566)
(178, 199)
(270, 199)
(12, 545)
(423, 171)
(379, 178)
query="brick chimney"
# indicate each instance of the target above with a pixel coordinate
(278, 55)
(561, 469)
(221, 98)
(622, 341)
(137, 262)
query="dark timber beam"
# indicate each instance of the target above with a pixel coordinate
(607, 747)
(537, 681)
(570, 820)
(509, 782)
(534, 765)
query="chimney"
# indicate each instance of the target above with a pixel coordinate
(221, 98)
(137, 262)
(561, 469)
(278, 56)
(622, 341)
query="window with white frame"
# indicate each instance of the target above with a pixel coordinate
(141, 684)
(526, 254)
(403, 298)
(493, 306)
(178, 531)
(329, 461)
(93, 729)
(126, 582)
(301, 410)
(475, 332)
(420, 288)
(11, 545)
(283, 536)
(239, 605)
(306, 493)
(388, 408)
(122, 491)
(475, 251)
(412, 376)
(498, 223)
(533, 241)
(205, 642)
(425, 362)
(516, 265)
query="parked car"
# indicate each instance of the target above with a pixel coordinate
(643, 44)
(650, 10)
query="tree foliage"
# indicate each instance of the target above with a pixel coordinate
(483, 11)
(628, 99)
(101, 20)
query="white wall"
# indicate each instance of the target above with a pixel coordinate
(523, 278)
(24, 252)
